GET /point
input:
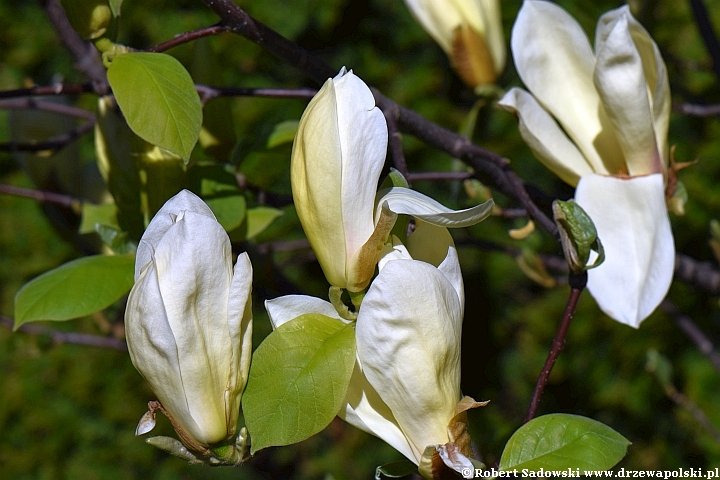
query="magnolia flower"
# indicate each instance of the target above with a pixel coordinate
(614, 105)
(337, 158)
(470, 33)
(189, 320)
(405, 388)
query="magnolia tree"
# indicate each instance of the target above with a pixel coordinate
(199, 232)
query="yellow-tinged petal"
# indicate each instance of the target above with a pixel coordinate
(632, 223)
(555, 61)
(546, 139)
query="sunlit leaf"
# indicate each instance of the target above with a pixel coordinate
(560, 441)
(92, 214)
(229, 210)
(158, 98)
(259, 218)
(397, 469)
(284, 132)
(75, 289)
(298, 379)
(115, 7)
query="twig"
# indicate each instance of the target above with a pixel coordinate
(703, 275)
(698, 414)
(395, 142)
(697, 110)
(208, 93)
(57, 89)
(44, 197)
(693, 332)
(188, 37)
(53, 143)
(702, 18)
(31, 103)
(431, 176)
(59, 337)
(577, 285)
(86, 56)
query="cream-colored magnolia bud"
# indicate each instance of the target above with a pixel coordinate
(189, 320)
(469, 31)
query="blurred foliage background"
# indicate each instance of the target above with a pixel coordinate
(69, 411)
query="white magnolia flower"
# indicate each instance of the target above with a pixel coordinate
(338, 155)
(405, 388)
(189, 320)
(599, 121)
(469, 31)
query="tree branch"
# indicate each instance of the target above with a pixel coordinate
(33, 104)
(59, 337)
(43, 197)
(188, 37)
(702, 18)
(693, 332)
(697, 110)
(53, 143)
(57, 89)
(577, 284)
(395, 142)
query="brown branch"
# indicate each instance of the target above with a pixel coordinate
(43, 197)
(59, 337)
(707, 32)
(33, 104)
(577, 284)
(432, 176)
(395, 142)
(207, 92)
(693, 332)
(697, 110)
(703, 275)
(52, 144)
(57, 89)
(87, 58)
(188, 37)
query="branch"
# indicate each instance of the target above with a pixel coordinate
(577, 284)
(43, 197)
(31, 103)
(53, 143)
(208, 93)
(693, 332)
(395, 142)
(86, 56)
(57, 89)
(702, 18)
(430, 176)
(59, 337)
(188, 37)
(702, 275)
(697, 110)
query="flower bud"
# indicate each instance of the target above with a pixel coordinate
(189, 321)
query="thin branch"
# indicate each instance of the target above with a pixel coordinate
(395, 142)
(59, 337)
(433, 176)
(703, 275)
(208, 93)
(87, 58)
(33, 104)
(189, 37)
(707, 32)
(43, 197)
(57, 89)
(693, 332)
(52, 144)
(577, 284)
(697, 110)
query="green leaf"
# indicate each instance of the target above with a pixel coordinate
(75, 289)
(115, 238)
(115, 7)
(92, 214)
(399, 469)
(158, 98)
(284, 132)
(229, 210)
(561, 441)
(259, 218)
(298, 379)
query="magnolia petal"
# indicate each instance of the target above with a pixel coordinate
(163, 220)
(363, 138)
(362, 266)
(409, 202)
(545, 137)
(621, 83)
(316, 179)
(554, 60)
(152, 348)
(364, 409)
(408, 343)
(657, 89)
(239, 318)
(632, 222)
(438, 18)
(285, 308)
(490, 13)
(194, 276)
